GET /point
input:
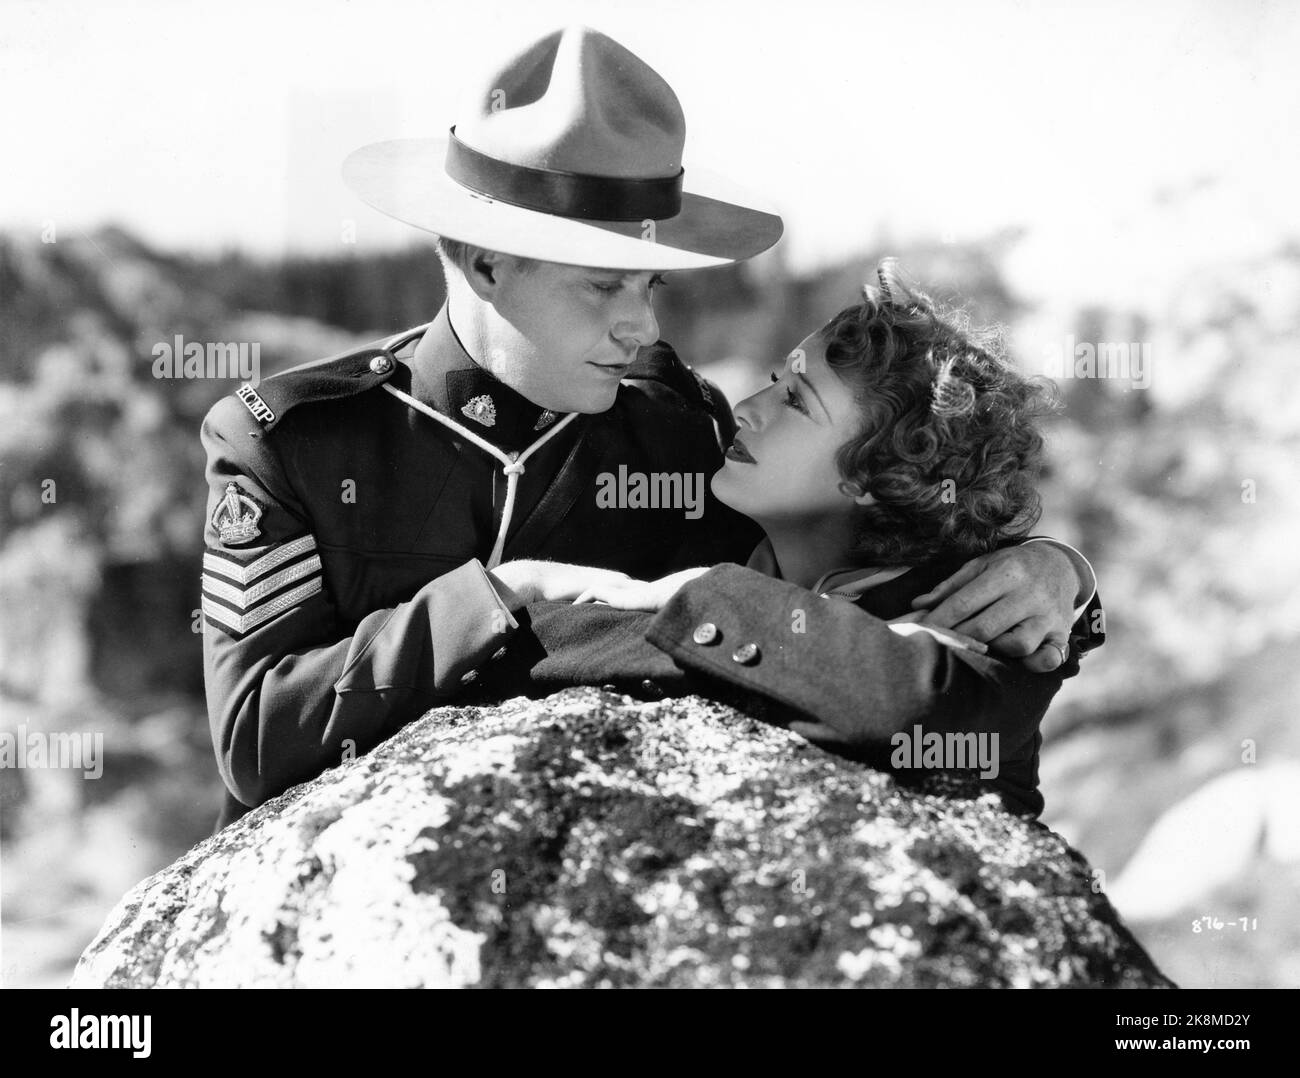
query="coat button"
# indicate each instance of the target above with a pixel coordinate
(706, 633)
(381, 365)
(746, 654)
(651, 689)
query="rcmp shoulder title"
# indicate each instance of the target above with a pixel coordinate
(262, 411)
(324, 379)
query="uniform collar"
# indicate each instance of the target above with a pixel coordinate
(885, 592)
(446, 377)
(846, 583)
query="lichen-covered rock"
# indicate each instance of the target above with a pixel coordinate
(592, 840)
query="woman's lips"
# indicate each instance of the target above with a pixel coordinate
(737, 451)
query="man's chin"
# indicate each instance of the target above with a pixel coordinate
(592, 402)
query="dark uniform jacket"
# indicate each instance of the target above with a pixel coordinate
(343, 584)
(786, 654)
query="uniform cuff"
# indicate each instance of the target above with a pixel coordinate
(510, 601)
(1081, 566)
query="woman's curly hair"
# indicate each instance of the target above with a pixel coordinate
(950, 448)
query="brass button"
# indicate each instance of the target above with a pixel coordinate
(651, 689)
(707, 633)
(746, 654)
(381, 365)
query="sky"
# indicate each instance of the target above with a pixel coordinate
(204, 126)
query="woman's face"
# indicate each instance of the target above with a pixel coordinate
(781, 469)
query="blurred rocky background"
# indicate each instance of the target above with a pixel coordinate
(1171, 762)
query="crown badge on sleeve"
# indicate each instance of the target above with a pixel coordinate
(237, 517)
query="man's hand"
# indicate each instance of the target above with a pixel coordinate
(536, 580)
(629, 594)
(1019, 600)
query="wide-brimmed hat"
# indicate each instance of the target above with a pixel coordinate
(574, 155)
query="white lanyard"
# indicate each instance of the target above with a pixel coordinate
(512, 463)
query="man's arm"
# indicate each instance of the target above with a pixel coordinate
(289, 688)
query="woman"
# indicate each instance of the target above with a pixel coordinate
(890, 448)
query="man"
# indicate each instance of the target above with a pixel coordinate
(357, 504)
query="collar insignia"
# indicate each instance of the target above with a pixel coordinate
(236, 518)
(545, 419)
(481, 410)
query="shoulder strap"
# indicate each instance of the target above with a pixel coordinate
(660, 363)
(716, 404)
(339, 376)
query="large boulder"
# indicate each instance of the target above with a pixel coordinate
(591, 840)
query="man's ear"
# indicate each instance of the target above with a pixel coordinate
(483, 271)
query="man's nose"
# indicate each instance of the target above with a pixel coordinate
(636, 323)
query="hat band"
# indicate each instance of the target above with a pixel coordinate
(564, 194)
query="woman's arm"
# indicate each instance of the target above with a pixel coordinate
(855, 679)
(839, 676)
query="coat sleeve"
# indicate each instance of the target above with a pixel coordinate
(290, 689)
(853, 679)
(560, 645)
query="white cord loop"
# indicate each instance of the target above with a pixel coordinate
(512, 464)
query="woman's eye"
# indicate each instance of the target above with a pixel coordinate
(792, 400)
(658, 281)
(774, 377)
(606, 289)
